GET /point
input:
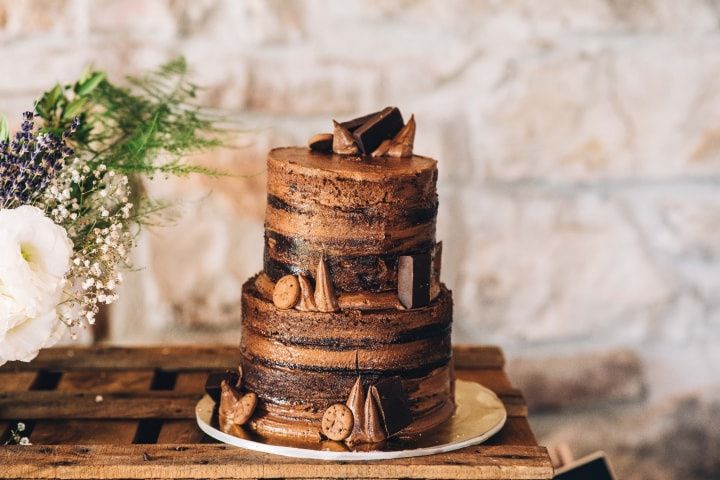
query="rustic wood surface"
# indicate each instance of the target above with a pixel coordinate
(114, 412)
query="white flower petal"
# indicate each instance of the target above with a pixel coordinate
(34, 259)
(24, 341)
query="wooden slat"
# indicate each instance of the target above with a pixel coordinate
(194, 358)
(14, 382)
(516, 431)
(85, 405)
(493, 378)
(131, 358)
(222, 461)
(478, 356)
(130, 405)
(184, 431)
(73, 431)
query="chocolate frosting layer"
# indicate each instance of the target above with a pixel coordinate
(300, 363)
(362, 212)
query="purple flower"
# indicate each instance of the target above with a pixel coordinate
(30, 161)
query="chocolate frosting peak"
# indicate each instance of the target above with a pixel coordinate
(356, 404)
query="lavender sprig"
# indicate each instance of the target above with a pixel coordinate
(30, 160)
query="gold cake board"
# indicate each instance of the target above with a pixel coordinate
(479, 415)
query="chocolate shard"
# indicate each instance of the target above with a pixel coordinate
(382, 150)
(343, 141)
(402, 144)
(436, 262)
(358, 122)
(212, 384)
(229, 397)
(374, 428)
(394, 404)
(307, 296)
(382, 126)
(321, 142)
(325, 298)
(414, 280)
(356, 403)
(235, 408)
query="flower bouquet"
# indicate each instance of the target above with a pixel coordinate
(71, 196)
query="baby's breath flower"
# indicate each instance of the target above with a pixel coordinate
(97, 223)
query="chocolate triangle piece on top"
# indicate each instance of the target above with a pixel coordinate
(355, 123)
(343, 141)
(394, 406)
(381, 126)
(402, 144)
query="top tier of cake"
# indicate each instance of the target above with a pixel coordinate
(362, 212)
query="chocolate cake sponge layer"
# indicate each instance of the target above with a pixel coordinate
(362, 212)
(300, 363)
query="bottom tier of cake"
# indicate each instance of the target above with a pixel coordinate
(300, 363)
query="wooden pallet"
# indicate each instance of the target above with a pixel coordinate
(108, 412)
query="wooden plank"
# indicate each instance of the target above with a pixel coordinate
(91, 432)
(222, 461)
(13, 382)
(37, 405)
(516, 431)
(86, 405)
(194, 358)
(493, 378)
(478, 356)
(184, 431)
(16, 381)
(132, 358)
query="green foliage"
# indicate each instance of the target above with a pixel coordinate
(144, 128)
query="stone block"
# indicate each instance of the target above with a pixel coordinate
(297, 83)
(536, 265)
(578, 380)
(128, 18)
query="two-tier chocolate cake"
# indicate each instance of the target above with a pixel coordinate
(346, 331)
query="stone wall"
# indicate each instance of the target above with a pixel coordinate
(579, 147)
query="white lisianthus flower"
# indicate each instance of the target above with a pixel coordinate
(34, 258)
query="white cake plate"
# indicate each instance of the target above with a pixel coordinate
(479, 415)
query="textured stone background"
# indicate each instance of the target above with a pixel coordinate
(579, 147)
